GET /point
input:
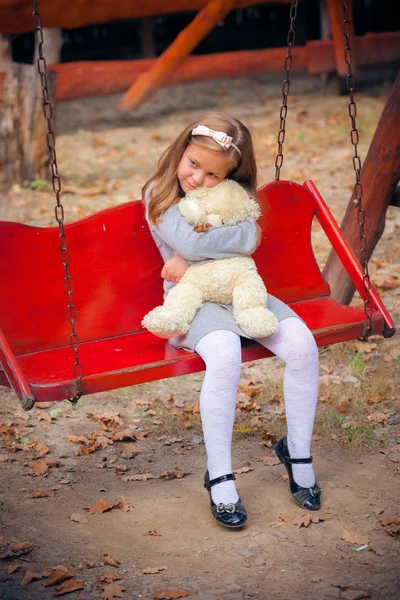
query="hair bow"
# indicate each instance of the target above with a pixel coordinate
(222, 138)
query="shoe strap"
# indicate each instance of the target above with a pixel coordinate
(222, 479)
(297, 461)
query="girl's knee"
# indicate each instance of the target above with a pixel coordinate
(222, 353)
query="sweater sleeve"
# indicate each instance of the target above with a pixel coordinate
(216, 242)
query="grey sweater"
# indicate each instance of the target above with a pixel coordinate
(173, 235)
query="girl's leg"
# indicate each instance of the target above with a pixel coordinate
(295, 344)
(221, 352)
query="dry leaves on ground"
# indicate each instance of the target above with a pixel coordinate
(72, 585)
(174, 474)
(170, 594)
(302, 521)
(153, 570)
(40, 493)
(391, 525)
(354, 538)
(113, 590)
(57, 575)
(11, 548)
(113, 562)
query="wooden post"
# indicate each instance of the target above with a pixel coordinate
(5, 53)
(52, 44)
(23, 149)
(175, 55)
(379, 177)
(336, 22)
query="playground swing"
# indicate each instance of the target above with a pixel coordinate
(113, 292)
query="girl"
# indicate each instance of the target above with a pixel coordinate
(209, 150)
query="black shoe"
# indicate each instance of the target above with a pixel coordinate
(230, 515)
(308, 498)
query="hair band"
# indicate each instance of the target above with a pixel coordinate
(222, 138)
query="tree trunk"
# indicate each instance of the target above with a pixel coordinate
(379, 176)
(23, 149)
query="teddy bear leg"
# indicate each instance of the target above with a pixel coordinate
(250, 306)
(174, 317)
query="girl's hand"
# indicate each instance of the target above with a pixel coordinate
(259, 235)
(174, 269)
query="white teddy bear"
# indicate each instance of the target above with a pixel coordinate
(224, 281)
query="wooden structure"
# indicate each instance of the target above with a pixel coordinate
(115, 351)
(143, 77)
(379, 176)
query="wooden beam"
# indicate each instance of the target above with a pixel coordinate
(336, 22)
(101, 78)
(16, 15)
(175, 55)
(379, 176)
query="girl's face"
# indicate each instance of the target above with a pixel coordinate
(202, 168)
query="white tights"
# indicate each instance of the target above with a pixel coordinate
(221, 352)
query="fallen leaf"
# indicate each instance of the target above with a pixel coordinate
(124, 506)
(139, 477)
(39, 467)
(58, 574)
(79, 518)
(42, 493)
(375, 399)
(102, 506)
(72, 585)
(243, 470)
(271, 461)
(15, 548)
(301, 521)
(114, 590)
(344, 406)
(354, 538)
(41, 449)
(187, 422)
(377, 417)
(30, 576)
(113, 562)
(127, 434)
(152, 532)
(174, 475)
(153, 570)
(391, 525)
(170, 594)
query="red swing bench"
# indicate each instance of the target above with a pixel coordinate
(116, 267)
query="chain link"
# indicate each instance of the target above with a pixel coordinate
(59, 209)
(358, 188)
(285, 89)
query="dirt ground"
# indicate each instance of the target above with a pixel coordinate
(139, 450)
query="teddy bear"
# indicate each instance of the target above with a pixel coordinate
(228, 281)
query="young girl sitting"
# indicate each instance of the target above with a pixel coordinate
(211, 149)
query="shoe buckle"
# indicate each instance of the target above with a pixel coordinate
(225, 508)
(314, 491)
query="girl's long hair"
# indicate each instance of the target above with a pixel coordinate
(164, 188)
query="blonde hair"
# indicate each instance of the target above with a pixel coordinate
(164, 185)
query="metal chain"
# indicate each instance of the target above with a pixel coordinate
(358, 188)
(59, 209)
(285, 89)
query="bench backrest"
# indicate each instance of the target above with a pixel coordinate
(116, 268)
